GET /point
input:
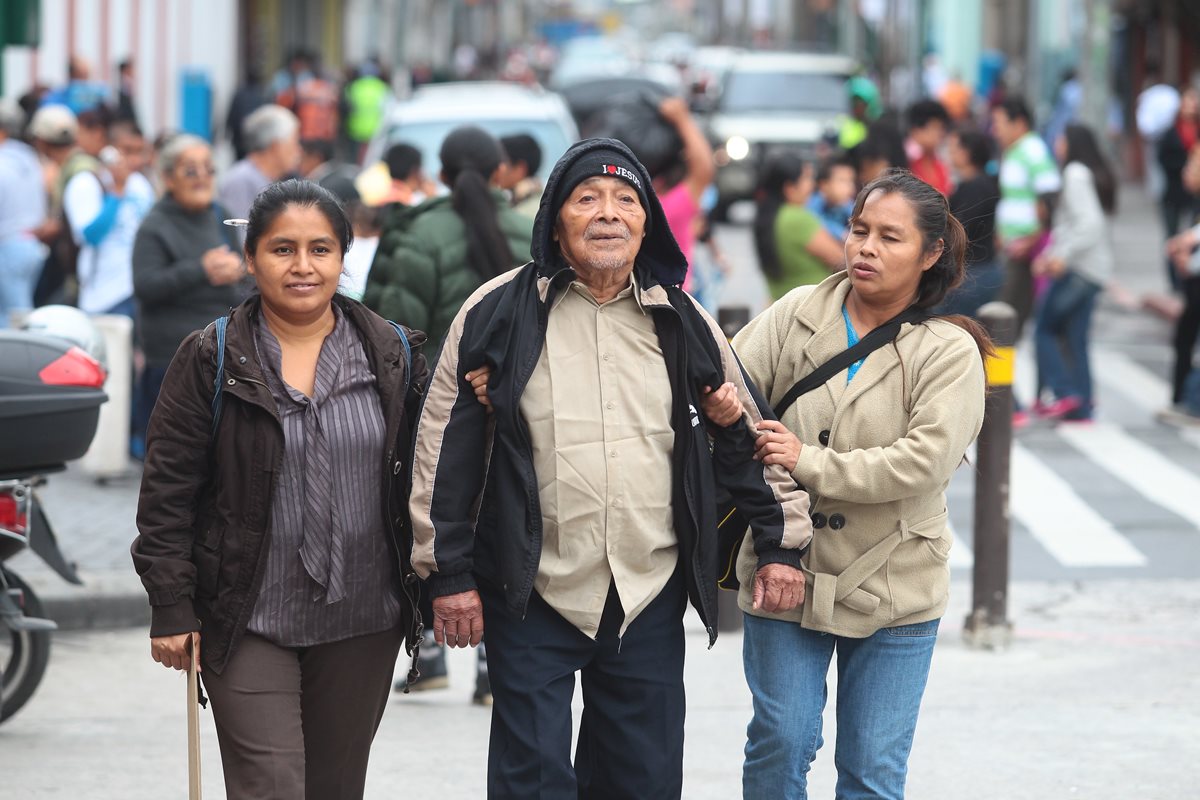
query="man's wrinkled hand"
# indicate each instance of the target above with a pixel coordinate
(458, 619)
(721, 406)
(778, 588)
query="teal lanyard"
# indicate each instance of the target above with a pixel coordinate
(851, 340)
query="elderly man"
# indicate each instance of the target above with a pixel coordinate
(272, 135)
(576, 517)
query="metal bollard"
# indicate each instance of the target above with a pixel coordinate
(108, 457)
(729, 616)
(987, 626)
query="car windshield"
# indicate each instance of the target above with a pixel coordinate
(427, 137)
(783, 91)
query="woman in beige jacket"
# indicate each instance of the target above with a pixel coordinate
(875, 447)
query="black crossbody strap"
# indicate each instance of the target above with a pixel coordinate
(885, 333)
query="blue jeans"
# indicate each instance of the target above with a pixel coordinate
(880, 683)
(21, 260)
(1064, 319)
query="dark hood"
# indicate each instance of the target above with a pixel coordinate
(660, 261)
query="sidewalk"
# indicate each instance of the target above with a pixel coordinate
(1098, 697)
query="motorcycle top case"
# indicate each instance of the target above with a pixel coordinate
(41, 424)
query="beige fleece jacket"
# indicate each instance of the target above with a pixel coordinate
(877, 456)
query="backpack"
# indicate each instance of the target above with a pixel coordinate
(222, 323)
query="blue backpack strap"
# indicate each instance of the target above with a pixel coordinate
(407, 353)
(220, 324)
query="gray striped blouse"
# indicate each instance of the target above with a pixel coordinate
(330, 572)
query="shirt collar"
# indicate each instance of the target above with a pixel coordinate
(633, 288)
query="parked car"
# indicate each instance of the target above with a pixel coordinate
(499, 108)
(769, 102)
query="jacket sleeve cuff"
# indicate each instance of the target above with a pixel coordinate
(807, 464)
(779, 555)
(176, 618)
(442, 585)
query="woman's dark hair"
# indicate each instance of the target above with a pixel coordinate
(935, 222)
(1083, 147)
(977, 146)
(470, 156)
(273, 200)
(780, 170)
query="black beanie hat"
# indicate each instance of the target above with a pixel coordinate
(601, 162)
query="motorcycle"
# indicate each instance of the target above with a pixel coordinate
(50, 398)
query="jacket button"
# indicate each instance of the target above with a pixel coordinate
(837, 522)
(823, 438)
(241, 359)
(818, 520)
(396, 468)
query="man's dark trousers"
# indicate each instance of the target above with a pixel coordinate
(631, 734)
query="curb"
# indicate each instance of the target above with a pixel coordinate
(106, 600)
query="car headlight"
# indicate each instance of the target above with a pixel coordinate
(737, 147)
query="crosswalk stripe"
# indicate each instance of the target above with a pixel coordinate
(1061, 521)
(1121, 373)
(1144, 469)
(1126, 376)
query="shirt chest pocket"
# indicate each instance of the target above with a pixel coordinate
(656, 396)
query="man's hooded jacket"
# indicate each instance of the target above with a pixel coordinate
(475, 503)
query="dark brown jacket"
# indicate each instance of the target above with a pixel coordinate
(203, 514)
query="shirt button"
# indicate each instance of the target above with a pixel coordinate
(612, 453)
(608, 356)
(610, 404)
(617, 503)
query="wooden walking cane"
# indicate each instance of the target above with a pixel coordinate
(193, 721)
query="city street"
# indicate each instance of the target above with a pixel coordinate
(1097, 698)
(1097, 689)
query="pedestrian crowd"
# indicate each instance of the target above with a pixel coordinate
(534, 447)
(1034, 203)
(383, 409)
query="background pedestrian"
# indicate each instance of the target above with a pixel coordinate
(794, 249)
(1079, 264)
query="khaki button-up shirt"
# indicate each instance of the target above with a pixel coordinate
(598, 408)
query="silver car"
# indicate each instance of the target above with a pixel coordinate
(499, 108)
(769, 102)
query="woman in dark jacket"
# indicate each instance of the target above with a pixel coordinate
(432, 257)
(186, 268)
(274, 518)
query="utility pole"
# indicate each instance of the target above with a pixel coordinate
(1094, 70)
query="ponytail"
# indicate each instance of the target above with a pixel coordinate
(470, 156)
(487, 249)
